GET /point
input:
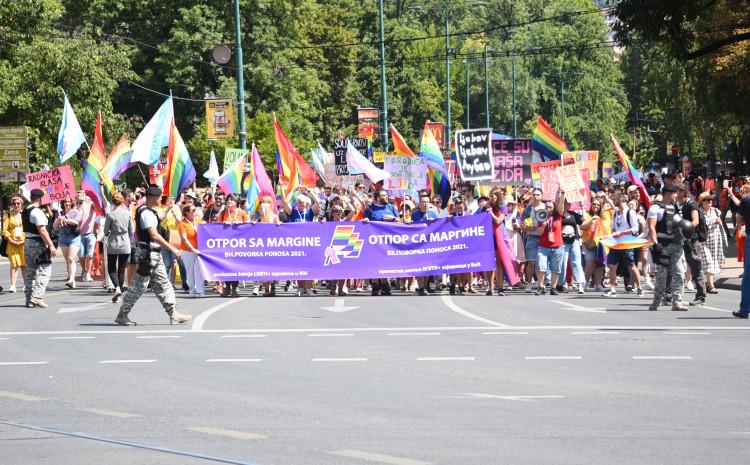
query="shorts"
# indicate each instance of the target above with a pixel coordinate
(615, 257)
(88, 242)
(69, 240)
(550, 259)
(532, 247)
(589, 255)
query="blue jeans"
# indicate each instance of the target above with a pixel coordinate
(574, 252)
(745, 296)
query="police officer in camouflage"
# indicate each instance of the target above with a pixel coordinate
(38, 251)
(667, 250)
(150, 267)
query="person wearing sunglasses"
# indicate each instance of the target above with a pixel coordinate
(13, 235)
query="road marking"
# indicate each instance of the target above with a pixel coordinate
(200, 320)
(127, 361)
(445, 359)
(21, 363)
(448, 301)
(228, 433)
(662, 357)
(414, 334)
(579, 308)
(475, 395)
(339, 307)
(686, 333)
(136, 445)
(220, 360)
(351, 359)
(330, 334)
(19, 396)
(4, 338)
(715, 309)
(73, 337)
(595, 332)
(497, 333)
(244, 335)
(158, 337)
(109, 413)
(84, 308)
(554, 357)
(375, 457)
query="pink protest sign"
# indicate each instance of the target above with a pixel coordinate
(57, 183)
(544, 177)
(585, 192)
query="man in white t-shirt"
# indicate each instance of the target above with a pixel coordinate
(38, 251)
(624, 222)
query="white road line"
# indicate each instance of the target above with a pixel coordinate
(352, 359)
(158, 337)
(331, 335)
(448, 301)
(19, 396)
(228, 360)
(475, 395)
(715, 309)
(686, 333)
(554, 357)
(497, 333)
(595, 332)
(200, 320)
(128, 361)
(109, 413)
(414, 334)
(21, 363)
(73, 337)
(375, 457)
(4, 338)
(445, 359)
(227, 433)
(244, 335)
(578, 308)
(662, 357)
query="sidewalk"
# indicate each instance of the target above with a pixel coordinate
(730, 275)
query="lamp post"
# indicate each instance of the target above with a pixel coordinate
(562, 75)
(468, 96)
(486, 90)
(240, 77)
(383, 87)
(513, 79)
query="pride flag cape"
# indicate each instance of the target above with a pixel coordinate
(231, 180)
(505, 254)
(626, 242)
(399, 144)
(119, 159)
(70, 136)
(633, 174)
(437, 172)
(94, 183)
(285, 151)
(547, 142)
(180, 169)
(261, 179)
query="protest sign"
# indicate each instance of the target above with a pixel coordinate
(339, 250)
(407, 174)
(232, 155)
(569, 180)
(512, 160)
(608, 170)
(589, 160)
(339, 152)
(474, 154)
(57, 183)
(585, 192)
(546, 168)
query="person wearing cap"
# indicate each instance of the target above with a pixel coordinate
(692, 246)
(667, 249)
(150, 241)
(38, 251)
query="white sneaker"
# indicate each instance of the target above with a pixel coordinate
(690, 286)
(88, 279)
(310, 293)
(256, 291)
(580, 289)
(528, 288)
(650, 283)
(12, 289)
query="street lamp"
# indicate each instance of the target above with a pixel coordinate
(468, 95)
(562, 75)
(240, 77)
(383, 88)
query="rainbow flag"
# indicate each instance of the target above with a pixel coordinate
(547, 142)
(345, 243)
(437, 172)
(231, 180)
(626, 242)
(399, 144)
(96, 184)
(285, 151)
(180, 172)
(633, 174)
(261, 184)
(119, 159)
(307, 175)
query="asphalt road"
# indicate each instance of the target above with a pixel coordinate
(400, 380)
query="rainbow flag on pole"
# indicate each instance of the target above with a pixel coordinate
(437, 172)
(95, 183)
(119, 159)
(633, 174)
(399, 144)
(231, 180)
(547, 142)
(180, 172)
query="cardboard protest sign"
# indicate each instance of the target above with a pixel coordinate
(339, 153)
(407, 174)
(536, 173)
(512, 160)
(569, 179)
(57, 183)
(608, 170)
(589, 160)
(585, 192)
(473, 154)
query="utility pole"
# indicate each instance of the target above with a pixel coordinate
(513, 78)
(447, 80)
(562, 75)
(468, 96)
(383, 87)
(486, 90)
(240, 77)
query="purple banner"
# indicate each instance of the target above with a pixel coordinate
(266, 252)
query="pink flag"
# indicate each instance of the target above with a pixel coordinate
(261, 177)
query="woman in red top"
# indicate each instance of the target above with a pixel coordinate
(550, 254)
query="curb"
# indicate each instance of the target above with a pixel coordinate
(723, 283)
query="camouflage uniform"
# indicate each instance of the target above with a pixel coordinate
(159, 283)
(37, 276)
(675, 269)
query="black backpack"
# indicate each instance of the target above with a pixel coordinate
(701, 231)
